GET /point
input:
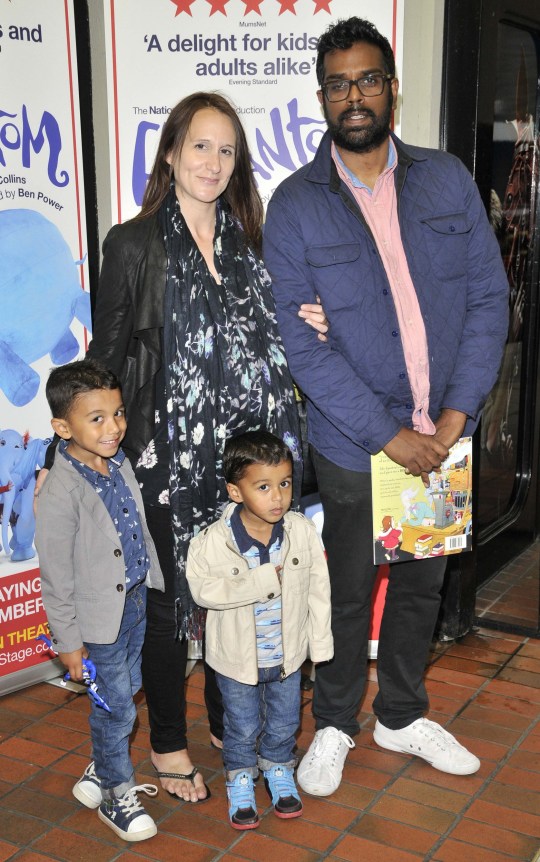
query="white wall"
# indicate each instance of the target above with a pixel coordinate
(421, 82)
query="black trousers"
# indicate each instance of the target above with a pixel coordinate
(164, 659)
(409, 618)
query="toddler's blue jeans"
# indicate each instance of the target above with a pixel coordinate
(260, 721)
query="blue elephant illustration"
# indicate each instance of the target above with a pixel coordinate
(40, 295)
(20, 457)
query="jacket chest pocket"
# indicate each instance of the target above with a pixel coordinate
(446, 238)
(338, 286)
(297, 572)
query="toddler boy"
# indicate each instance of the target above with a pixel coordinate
(97, 559)
(261, 572)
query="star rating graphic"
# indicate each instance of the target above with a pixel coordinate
(251, 6)
(322, 4)
(287, 6)
(217, 6)
(182, 6)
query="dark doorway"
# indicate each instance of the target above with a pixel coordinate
(490, 119)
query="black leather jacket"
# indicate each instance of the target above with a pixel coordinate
(128, 321)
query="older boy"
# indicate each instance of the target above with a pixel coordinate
(97, 559)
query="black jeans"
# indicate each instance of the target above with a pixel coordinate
(409, 618)
(164, 659)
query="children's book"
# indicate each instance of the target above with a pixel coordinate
(411, 521)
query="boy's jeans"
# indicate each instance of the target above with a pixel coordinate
(118, 675)
(268, 712)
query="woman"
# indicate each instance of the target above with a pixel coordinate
(185, 317)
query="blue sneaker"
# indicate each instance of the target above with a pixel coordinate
(88, 788)
(242, 806)
(279, 782)
(126, 816)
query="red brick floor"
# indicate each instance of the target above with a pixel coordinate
(389, 808)
(511, 599)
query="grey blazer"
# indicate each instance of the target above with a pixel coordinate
(83, 580)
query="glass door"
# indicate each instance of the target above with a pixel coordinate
(491, 120)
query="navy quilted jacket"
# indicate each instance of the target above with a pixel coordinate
(316, 242)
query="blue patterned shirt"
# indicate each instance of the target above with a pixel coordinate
(122, 508)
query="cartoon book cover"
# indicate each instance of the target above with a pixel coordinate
(411, 521)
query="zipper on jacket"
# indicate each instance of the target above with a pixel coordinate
(284, 555)
(235, 550)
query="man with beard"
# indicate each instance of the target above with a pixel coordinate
(396, 243)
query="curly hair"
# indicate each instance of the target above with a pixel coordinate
(347, 32)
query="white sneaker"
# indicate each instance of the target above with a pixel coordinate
(126, 816)
(88, 788)
(428, 740)
(320, 770)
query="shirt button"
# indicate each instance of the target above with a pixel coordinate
(402, 376)
(395, 333)
(385, 291)
(408, 407)
(125, 511)
(270, 595)
(117, 552)
(295, 561)
(134, 535)
(365, 443)
(452, 229)
(120, 588)
(235, 571)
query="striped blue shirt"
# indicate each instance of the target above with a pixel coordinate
(267, 614)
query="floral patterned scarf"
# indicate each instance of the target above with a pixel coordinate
(225, 374)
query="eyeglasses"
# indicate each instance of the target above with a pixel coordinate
(370, 85)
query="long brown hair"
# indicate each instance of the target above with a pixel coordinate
(241, 193)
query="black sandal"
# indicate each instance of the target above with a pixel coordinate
(182, 777)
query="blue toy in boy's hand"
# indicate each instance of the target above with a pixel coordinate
(89, 675)
(89, 680)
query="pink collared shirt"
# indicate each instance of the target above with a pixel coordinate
(379, 208)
